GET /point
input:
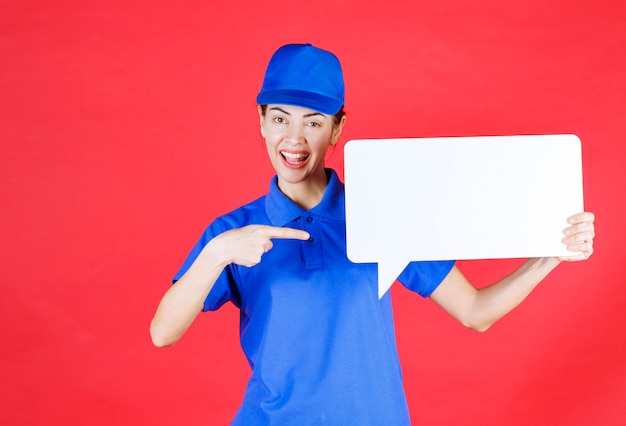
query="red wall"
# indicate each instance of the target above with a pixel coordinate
(126, 127)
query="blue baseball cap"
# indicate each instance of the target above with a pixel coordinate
(306, 76)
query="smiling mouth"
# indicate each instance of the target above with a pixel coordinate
(294, 159)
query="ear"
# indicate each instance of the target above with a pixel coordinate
(337, 131)
(261, 119)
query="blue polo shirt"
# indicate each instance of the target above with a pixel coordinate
(320, 343)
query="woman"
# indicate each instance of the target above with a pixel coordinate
(320, 343)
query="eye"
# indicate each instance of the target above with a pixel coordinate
(279, 120)
(313, 124)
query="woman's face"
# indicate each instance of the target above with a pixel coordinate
(297, 140)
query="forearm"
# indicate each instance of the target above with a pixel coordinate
(493, 302)
(184, 300)
(478, 309)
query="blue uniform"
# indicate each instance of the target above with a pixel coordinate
(320, 343)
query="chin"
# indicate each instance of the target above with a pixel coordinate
(293, 177)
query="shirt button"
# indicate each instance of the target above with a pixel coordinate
(310, 239)
(309, 219)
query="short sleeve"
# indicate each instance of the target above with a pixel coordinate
(224, 288)
(424, 277)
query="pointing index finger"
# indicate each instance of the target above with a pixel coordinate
(275, 232)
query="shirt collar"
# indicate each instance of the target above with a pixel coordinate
(281, 210)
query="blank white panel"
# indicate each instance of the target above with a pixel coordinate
(460, 198)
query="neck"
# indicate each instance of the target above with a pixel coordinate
(306, 194)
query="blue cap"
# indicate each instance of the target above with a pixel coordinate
(306, 76)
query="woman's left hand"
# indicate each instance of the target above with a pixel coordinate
(579, 236)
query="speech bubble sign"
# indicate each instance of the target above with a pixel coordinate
(488, 197)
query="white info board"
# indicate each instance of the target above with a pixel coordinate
(488, 197)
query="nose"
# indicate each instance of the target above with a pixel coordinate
(295, 135)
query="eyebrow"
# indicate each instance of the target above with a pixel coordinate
(305, 115)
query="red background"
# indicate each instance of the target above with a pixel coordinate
(127, 126)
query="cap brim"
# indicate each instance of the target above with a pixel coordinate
(314, 101)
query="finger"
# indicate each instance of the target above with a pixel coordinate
(580, 228)
(578, 232)
(583, 237)
(581, 247)
(284, 233)
(581, 217)
(267, 246)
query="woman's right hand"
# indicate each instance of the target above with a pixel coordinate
(183, 301)
(245, 246)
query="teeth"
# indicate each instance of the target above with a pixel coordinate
(293, 156)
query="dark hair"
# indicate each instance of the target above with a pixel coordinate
(337, 117)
